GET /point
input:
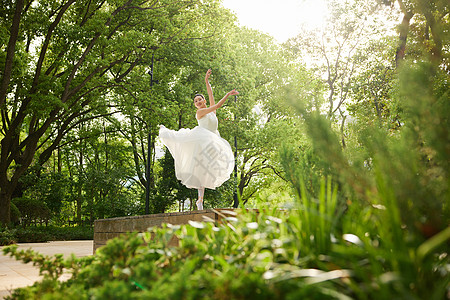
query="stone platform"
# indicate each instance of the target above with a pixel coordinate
(106, 229)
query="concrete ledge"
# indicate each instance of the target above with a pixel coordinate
(106, 229)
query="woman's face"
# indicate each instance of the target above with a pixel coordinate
(199, 102)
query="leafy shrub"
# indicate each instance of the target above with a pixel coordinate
(41, 234)
(7, 236)
(15, 214)
(32, 210)
(31, 235)
(52, 233)
(49, 188)
(269, 255)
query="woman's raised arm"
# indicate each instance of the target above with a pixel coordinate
(209, 89)
(203, 111)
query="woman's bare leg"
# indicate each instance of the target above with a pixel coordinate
(199, 202)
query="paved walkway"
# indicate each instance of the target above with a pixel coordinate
(14, 274)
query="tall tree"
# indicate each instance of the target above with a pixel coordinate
(428, 28)
(259, 120)
(332, 51)
(62, 59)
(371, 91)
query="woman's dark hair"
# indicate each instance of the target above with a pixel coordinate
(199, 95)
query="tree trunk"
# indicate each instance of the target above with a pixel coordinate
(8, 186)
(79, 202)
(137, 163)
(436, 31)
(5, 204)
(404, 28)
(342, 131)
(10, 51)
(59, 161)
(80, 196)
(377, 107)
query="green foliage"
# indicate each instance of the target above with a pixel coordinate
(15, 214)
(53, 233)
(93, 180)
(394, 184)
(39, 234)
(48, 188)
(303, 164)
(370, 215)
(32, 210)
(7, 236)
(266, 254)
(80, 61)
(373, 89)
(412, 164)
(234, 261)
(32, 235)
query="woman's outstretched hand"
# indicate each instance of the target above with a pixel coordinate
(208, 73)
(233, 93)
(203, 111)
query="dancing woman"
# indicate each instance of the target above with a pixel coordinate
(202, 158)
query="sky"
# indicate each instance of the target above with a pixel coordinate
(279, 18)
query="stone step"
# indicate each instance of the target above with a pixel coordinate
(106, 229)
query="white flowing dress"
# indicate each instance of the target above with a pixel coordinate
(202, 158)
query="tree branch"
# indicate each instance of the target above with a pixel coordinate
(403, 28)
(130, 68)
(46, 44)
(10, 51)
(46, 154)
(88, 78)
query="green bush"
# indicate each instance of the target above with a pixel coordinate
(269, 255)
(15, 214)
(41, 234)
(32, 235)
(52, 233)
(7, 236)
(32, 210)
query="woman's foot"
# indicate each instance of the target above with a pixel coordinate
(199, 204)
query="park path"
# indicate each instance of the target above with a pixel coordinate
(14, 274)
